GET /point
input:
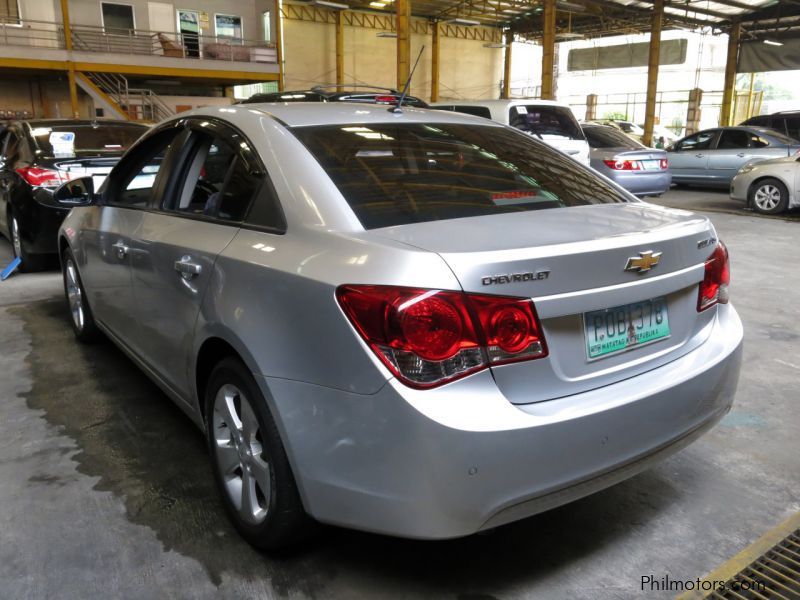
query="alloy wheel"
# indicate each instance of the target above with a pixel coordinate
(240, 454)
(74, 295)
(16, 241)
(767, 197)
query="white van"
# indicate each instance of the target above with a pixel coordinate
(552, 122)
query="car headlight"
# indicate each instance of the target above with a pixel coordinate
(746, 169)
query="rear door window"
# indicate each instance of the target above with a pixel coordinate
(545, 122)
(396, 174)
(733, 139)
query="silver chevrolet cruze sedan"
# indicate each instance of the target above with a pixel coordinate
(416, 323)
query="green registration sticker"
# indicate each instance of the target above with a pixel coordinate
(624, 327)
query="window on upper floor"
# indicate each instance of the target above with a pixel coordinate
(9, 12)
(117, 18)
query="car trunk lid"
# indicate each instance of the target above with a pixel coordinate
(572, 263)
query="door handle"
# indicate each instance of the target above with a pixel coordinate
(699, 155)
(187, 268)
(121, 249)
(741, 155)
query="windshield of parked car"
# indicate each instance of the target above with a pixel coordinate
(395, 174)
(546, 122)
(608, 137)
(76, 139)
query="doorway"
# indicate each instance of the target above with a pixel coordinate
(189, 30)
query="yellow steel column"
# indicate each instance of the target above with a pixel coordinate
(509, 38)
(652, 72)
(403, 27)
(339, 47)
(73, 88)
(279, 43)
(548, 50)
(730, 74)
(435, 62)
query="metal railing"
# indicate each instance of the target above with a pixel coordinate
(94, 38)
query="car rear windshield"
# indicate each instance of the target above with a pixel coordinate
(546, 122)
(608, 137)
(396, 174)
(69, 140)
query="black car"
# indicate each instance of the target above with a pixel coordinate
(36, 157)
(366, 94)
(787, 122)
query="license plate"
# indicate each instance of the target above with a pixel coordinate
(625, 327)
(651, 165)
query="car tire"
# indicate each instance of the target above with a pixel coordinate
(81, 317)
(249, 462)
(768, 196)
(30, 263)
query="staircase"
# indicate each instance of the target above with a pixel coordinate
(111, 92)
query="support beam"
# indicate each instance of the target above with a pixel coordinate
(73, 92)
(279, 43)
(73, 87)
(548, 50)
(403, 28)
(340, 47)
(66, 24)
(435, 61)
(652, 72)
(509, 38)
(734, 36)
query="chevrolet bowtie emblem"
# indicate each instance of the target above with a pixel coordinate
(644, 262)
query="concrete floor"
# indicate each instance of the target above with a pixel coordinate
(105, 489)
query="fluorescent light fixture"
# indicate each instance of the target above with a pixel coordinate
(570, 6)
(494, 45)
(566, 35)
(333, 5)
(377, 5)
(465, 22)
(387, 34)
(773, 43)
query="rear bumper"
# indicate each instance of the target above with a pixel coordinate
(641, 183)
(451, 461)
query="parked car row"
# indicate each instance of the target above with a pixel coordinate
(354, 292)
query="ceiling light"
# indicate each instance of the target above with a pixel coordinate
(566, 35)
(465, 22)
(386, 34)
(773, 43)
(333, 5)
(495, 45)
(377, 4)
(570, 6)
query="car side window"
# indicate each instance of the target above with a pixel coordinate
(219, 183)
(793, 127)
(699, 141)
(136, 184)
(756, 141)
(733, 139)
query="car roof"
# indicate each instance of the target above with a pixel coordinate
(501, 103)
(57, 122)
(299, 114)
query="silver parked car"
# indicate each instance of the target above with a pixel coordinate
(420, 323)
(770, 186)
(712, 157)
(641, 170)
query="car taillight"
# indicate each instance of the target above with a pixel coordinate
(39, 177)
(623, 165)
(664, 163)
(714, 287)
(430, 337)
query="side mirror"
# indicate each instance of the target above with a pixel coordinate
(76, 192)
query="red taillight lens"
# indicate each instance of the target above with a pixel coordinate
(714, 287)
(386, 99)
(429, 337)
(39, 177)
(664, 163)
(623, 165)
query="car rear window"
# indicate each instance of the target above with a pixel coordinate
(545, 122)
(69, 140)
(608, 137)
(396, 174)
(476, 111)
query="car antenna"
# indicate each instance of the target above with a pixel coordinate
(398, 108)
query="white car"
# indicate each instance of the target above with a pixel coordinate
(770, 186)
(552, 122)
